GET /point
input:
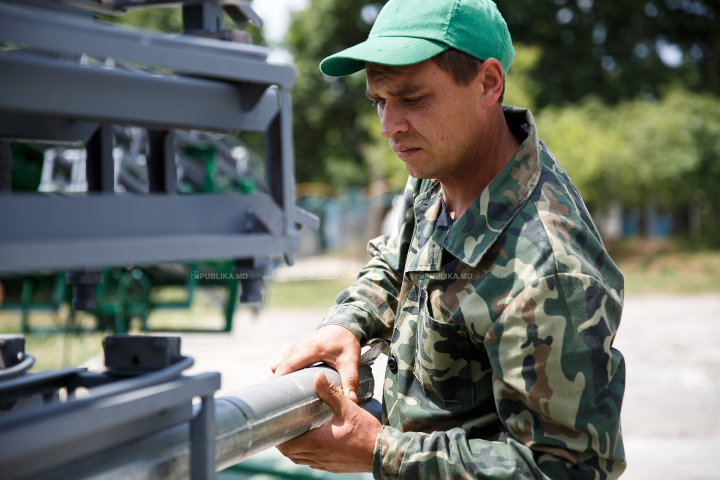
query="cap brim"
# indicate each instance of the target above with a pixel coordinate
(395, 51)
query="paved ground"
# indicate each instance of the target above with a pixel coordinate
(671, 415)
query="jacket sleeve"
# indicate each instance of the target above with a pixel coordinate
(367, 308)
(558, 387)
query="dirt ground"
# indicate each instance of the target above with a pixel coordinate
(671, 412)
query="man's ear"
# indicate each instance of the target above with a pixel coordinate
(491, 78)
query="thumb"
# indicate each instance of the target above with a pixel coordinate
(329, 394)
(349, 376)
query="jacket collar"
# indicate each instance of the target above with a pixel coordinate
(487, 217)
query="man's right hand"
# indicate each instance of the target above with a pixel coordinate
(332, 344)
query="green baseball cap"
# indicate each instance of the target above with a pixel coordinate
(411, 31)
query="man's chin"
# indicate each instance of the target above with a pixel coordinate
(418, 173)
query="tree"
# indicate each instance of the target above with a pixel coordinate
(617, 49)
(330, 114)
(169, 20)
(665, 154)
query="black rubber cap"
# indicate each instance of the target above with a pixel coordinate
(392, 364)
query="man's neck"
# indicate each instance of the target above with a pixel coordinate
(462, 189)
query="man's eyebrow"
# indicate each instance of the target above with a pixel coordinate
(371, 95)
(402, 91)
(405, 90)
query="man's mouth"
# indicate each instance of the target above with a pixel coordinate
(404, 152)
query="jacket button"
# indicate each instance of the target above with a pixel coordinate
(392, 364)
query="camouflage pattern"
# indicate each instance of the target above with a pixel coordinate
(501, 327)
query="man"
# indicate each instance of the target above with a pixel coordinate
(495, 295)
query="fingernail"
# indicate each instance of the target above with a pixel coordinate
(323, 379)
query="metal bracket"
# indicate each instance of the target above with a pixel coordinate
(133, 354)
(203, 17)
(251, 272)
(161, 170)
(84, 283)
(12, 350)
(99, 165)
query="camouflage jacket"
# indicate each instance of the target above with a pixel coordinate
(500, 330)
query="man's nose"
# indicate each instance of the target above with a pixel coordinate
(392, 121)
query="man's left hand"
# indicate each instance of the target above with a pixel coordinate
(345, 444)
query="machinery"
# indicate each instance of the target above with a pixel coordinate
(122, 112)
(137, 420)
(74, 78)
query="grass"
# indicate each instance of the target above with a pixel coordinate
(304, 293)
(665, 268)
(54, 350)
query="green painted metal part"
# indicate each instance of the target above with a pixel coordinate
(122, 296)
(125, 294)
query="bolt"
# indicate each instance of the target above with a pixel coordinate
(20, 356)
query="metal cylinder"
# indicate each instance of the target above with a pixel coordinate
(247, 421)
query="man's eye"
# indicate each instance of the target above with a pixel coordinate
(413, 100)
(380, 103)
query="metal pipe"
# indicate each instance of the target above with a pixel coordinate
(247, 421)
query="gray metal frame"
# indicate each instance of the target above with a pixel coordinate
(75, 431)
(204, 57)
(46, 94)
(69, 84)
(247, 421)
(141, 393)
(108, 230)
(52, 88)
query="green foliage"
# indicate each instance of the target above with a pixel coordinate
(169, 20)
(610, 48)
(162, 19)
(668, 150)
(521, 87)
(331, 134)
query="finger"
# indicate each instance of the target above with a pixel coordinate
(295, 360)
(329, 394)
(350, 380)
(285, 367)
(274, 366)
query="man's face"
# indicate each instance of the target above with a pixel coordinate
(432, 124)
